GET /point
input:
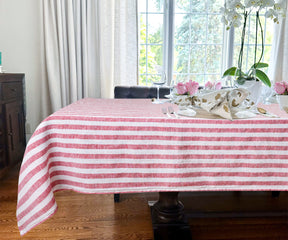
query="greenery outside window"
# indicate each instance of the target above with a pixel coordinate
(187, 40)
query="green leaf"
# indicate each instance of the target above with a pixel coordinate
(230, 72)
(263, 77)
(233, 71)
(260, 65)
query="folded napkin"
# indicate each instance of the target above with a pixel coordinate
(188, 112)
(226, 103)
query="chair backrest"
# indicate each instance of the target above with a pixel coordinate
(140, 92)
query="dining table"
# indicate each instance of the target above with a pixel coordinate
(108, 146)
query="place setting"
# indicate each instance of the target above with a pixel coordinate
(214, 101)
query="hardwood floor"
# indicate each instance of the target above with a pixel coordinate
(215, 216)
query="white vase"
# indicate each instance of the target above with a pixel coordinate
(283, 102)
(255, 89)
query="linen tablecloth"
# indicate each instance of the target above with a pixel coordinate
(129, 145)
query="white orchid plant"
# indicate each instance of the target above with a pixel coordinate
(235, 14)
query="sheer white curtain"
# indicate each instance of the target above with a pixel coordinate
(278, 67)
(89, 47)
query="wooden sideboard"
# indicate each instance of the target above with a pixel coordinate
(12, 120)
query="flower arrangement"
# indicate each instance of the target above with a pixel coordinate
(235, 13)
(281, 88)
(213, 86)
(188, 88)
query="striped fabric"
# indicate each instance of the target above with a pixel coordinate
(129, 145)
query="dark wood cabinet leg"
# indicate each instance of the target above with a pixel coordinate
(168, 218)
(116, 197)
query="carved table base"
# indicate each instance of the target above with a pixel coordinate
(168, 218)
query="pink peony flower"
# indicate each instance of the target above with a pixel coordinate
(213, 86)
(209, 85)
(192, 87)
(218, 86)
(181, 88)
(280, 87)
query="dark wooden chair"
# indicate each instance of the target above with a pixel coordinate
(138, 92)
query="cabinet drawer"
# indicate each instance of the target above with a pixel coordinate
(11, 90)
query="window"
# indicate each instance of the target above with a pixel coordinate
(187, 40)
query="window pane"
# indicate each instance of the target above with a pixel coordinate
(142, 59)
(182, 26)
(200, 78)
(198, 6)
(215, 29)
(213, 61)
(181, 58)
(181, 78)
(153, 77)
(155, 57)
(142, 6)
(197, 38)
(198, 29)
(142, 25)
(182, 6)
(197, 59)
(142, 80)
(213, 6)
(155, 5)
(155, 28)
(213, 78)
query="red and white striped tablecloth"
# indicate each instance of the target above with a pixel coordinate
(129, 145)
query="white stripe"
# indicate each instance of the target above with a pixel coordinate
(170, 161)
(135, 152)
(162, 142)
(30, 184)
(166, 170)
(140, 152)
(39, 219)
(175, 189)
(35, 163)
(35, 209)
(33, 196)
(214, 179)
(187, 133)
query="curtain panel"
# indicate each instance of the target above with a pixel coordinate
(89, 47)
(278, 67)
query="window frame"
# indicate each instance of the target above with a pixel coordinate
(228, 43)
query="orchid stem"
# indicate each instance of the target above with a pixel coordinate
(240, 58)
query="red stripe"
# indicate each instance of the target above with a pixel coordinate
(167, 184)
(43, 211)
(166, 175)
(32, 188)
(167, 165)
(35, 203)
(163, 129)
(150, 156)
(162, 147)
(168, 157)
(44, 139)
(144, 156)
